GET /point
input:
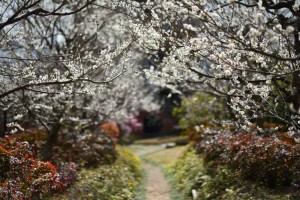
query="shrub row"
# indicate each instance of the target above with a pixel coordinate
(274, 161)
(197, 180)
(23, 174)
(115, 181)
(88, 150)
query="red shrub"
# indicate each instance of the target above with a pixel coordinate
(112, 130)
(67, 173)
(88, 150)
(33, 136)
(272, 160)
(22, 176)
(213, 145)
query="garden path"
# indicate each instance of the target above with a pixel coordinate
(156, 186)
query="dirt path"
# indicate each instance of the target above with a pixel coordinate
(154, 158)
(156, 186)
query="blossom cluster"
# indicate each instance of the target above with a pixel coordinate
(233, 49)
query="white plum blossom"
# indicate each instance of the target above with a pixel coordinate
(231, 49)
(236, 50)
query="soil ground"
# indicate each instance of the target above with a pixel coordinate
(154, 156)
(156, 185)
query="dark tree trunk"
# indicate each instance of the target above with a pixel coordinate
(3, 128)
(296, 75)
(51, 142)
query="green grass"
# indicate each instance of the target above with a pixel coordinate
(174, 192)
(181, 140)
(166, 157)
(140, 192)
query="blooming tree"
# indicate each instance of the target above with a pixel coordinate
(45, 67)
(68, 64)
(246, 51)
(29, 32)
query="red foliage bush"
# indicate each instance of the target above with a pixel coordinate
(34, 136)
(67, 173)
(112, 130)
(88, 150)
(22, 176)
(212, 146)
(272, 160)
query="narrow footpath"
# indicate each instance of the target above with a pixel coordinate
(156, 186)
(153, 157)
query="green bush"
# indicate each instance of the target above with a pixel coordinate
(115, 181)
(187, 173)
(191, 173)
(218, 182)
(200, 108)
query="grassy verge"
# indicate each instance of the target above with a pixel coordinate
(107, 182)
(174, 192)
(166, 157)
(140, 192)
(180, 140)
(211, 182)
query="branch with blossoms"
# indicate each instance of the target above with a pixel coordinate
(27, 86)
(55, 63)
(248, 52)
(31, 8)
